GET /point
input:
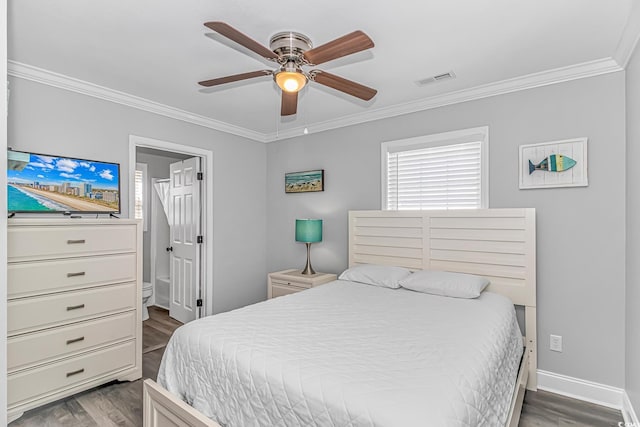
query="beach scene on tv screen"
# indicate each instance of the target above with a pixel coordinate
(39, 183)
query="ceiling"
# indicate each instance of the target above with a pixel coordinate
(152, 53)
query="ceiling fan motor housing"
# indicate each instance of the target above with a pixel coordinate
(290, 46)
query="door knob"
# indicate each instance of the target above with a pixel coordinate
(170, 249)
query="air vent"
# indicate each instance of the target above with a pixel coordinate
(437, 78)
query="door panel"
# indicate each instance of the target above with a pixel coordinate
(185, 227)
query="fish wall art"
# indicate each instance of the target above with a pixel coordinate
(558, 164)
(553, 163)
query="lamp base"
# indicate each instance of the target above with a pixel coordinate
(308, 270)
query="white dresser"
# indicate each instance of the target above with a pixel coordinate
(74, 307)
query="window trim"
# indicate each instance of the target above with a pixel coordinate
(437, 140)
(145, 194)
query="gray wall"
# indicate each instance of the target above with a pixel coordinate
(581, 231)
(50, 120)
(632, 383)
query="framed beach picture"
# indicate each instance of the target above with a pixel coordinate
(304, 182)
(554, 164)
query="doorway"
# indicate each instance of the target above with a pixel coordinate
(176, 239)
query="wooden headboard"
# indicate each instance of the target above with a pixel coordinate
(499, 244)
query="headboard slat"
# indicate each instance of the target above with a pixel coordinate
(393, 242)
(410, 263)
(497, 246)
(478, 223)
(477, 234)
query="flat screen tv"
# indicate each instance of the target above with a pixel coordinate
(42, 183)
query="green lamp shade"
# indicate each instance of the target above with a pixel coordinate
(308, 230)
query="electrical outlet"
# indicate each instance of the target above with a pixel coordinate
(555, 343)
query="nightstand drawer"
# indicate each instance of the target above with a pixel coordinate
(278, 290)
(41, 277)
(290, 283)
(28, 314)
(40, 347)
(34, 383)
(65, 241)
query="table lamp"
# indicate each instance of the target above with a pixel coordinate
(308, 231)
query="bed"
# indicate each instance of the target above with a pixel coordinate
(358, 355)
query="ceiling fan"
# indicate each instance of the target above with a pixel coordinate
(292, 51)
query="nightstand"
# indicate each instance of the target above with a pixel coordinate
(290, 281)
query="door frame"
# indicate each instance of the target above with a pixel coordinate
(135, 142)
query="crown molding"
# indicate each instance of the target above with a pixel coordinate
(40, 75)
(544, 78)
(630, 36)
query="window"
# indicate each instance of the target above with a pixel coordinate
(141, 194)
(444, 171)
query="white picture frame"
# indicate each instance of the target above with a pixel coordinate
(576, 176)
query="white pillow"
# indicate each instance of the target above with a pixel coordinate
(377, 275)
(457, 285)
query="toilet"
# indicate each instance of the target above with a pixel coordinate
(147, 291)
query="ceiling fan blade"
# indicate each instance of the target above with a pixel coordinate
(234, 78)
(238, 37)
(343, 85)
(342, 46)
(289, 104)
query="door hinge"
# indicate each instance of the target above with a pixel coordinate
(199, 239)
(199, 176)
(198, 302)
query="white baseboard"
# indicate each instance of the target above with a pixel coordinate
(576, 388)
(629, 415)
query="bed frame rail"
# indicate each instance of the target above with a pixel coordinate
(518, 392)
(163, 409)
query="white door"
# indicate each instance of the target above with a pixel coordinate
(184, 267)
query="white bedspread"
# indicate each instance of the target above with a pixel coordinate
(348, 354)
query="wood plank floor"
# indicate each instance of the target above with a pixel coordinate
(157, 329)
(120, 404)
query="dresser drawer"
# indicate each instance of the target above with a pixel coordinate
(42, 242)
(39, 347)
(28, 314)
(41, 277)
(35, 383)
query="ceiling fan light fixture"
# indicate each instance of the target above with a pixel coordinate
(290, 81)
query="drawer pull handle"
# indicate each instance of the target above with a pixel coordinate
(75, 340)
(80, 273)
(75, 242)
(79, 371)
(75, 307)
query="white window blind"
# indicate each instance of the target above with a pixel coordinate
(140, 192)
(445, 171)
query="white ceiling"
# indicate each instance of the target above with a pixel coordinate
(159, 49)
